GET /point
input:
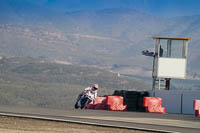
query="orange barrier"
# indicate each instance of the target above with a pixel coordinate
(90, 106)
(114, 103)
(196, 107)
(100, 100)
(154, 105)
(100, 103)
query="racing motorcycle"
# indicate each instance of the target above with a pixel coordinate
(82, 101)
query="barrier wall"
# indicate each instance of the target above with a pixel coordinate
(171, 100)
(179, 102)
(188, 98)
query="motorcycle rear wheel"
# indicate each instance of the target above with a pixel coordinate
(85, 102)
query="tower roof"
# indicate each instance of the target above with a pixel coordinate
(174, 38)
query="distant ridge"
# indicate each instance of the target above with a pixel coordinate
(104, 38)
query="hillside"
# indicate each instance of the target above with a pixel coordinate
(25, 81)
(111, 39)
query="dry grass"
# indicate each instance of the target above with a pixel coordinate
(22, 125)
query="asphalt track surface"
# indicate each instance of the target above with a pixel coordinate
(130, 120)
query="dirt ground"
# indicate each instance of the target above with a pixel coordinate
(22, 125)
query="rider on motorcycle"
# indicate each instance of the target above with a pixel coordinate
(90, 91)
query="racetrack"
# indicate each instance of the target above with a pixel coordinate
(127, 120)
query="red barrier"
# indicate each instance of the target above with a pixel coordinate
(114, 100)
(196, 104)
(115, 103)
(107, 103)
(100, 103)
(117, 108)
(197, 113)
(152, 101)
(90, 106)
(156, 110)
(101, 107)
(196, 107)
(99, 100)
(154, 105)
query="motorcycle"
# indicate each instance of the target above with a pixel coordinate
(82, 101)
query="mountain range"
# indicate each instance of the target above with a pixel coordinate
(107, 38)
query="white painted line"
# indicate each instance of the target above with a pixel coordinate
(153, 121)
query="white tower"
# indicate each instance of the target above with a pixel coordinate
(170, 60)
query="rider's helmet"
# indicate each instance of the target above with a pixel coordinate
(95, 87)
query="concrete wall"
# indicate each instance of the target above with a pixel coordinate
(188, 98)
(179, 102)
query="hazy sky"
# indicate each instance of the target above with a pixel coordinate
(167, 8)
(164, 8)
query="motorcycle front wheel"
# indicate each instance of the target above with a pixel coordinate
(76, 105)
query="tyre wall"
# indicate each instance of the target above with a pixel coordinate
(133, 99)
